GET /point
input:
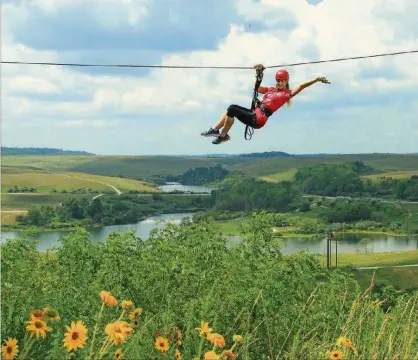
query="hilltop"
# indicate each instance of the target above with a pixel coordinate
(40, 151)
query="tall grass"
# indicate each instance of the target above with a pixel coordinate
(185, 277)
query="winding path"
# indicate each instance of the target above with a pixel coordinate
(384, 267)
(96, 181)
(359, 199)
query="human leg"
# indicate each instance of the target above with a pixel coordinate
(221, 123)
(214, 130)
(245, 115)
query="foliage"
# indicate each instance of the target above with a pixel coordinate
(285, 307)
(332, 179)
(40, 151)
(248, 194)
(403, 189)
(266, 154)
(345, 211)
(345, 180)
(203, 175)
(112, 210)
(23, 189)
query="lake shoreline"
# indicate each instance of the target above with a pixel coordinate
(288, 235)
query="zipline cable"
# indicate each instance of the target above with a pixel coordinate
(209, 67)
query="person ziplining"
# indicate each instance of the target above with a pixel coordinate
(256, 117)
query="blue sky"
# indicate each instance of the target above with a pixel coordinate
(370, 106)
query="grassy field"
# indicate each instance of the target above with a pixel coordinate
(128, 166)
(281, 176)
(392, 174)
(375, 259)
(381, 162)
(290, 174)
(401, 278)
(25, 201)
(8, 218)
(142, 167)
(45, 162)
(45, 182)
(22, 202)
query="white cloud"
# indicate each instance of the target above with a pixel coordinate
(87, 123)
(337, 28)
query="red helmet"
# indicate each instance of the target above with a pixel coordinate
(282, 75)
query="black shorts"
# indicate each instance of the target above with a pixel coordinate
(245, 115)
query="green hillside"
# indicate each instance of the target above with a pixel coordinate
(40, 151)
(145, 167)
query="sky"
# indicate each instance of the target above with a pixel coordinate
(370, 106)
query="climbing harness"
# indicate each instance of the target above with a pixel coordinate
(249, 131)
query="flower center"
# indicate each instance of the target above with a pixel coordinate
(75, 336)
(38, 325)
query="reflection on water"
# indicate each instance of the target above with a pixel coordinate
(346, 243)
(142, 230)
(173, 186)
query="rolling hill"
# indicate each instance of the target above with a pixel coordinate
(145, 167)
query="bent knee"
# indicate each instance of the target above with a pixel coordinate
(230, 112)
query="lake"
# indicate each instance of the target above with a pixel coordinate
(347, 243)
(174, 186)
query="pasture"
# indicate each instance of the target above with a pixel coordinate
(392, 174)
(281, 176)
(69, 181)
(374, 259)
(144, 167)
(23, 201)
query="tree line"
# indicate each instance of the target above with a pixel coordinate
(40, 151)
(200, 175)
(110, 210)
(346, 180)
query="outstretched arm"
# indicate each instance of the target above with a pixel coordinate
(297, 89)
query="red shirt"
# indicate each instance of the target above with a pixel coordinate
(273, 99)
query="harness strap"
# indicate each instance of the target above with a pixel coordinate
(255, 101)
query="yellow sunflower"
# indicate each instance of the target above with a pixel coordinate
(336, 355)
(76, 336)
(37, 315)
(108, 298)
(204, 328)
(216, 339)
(118, 354)
(237, 338)
(343, 341)
(135, 313)
(229, 354)
(179, 338)
(177, 354)
(211, 355)
(51, 314)
(161, 344)
(118, 331)
(37, 327)
(10, 349)
(127, 304)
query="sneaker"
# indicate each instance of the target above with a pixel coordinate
(221, 139)
(211, 132)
